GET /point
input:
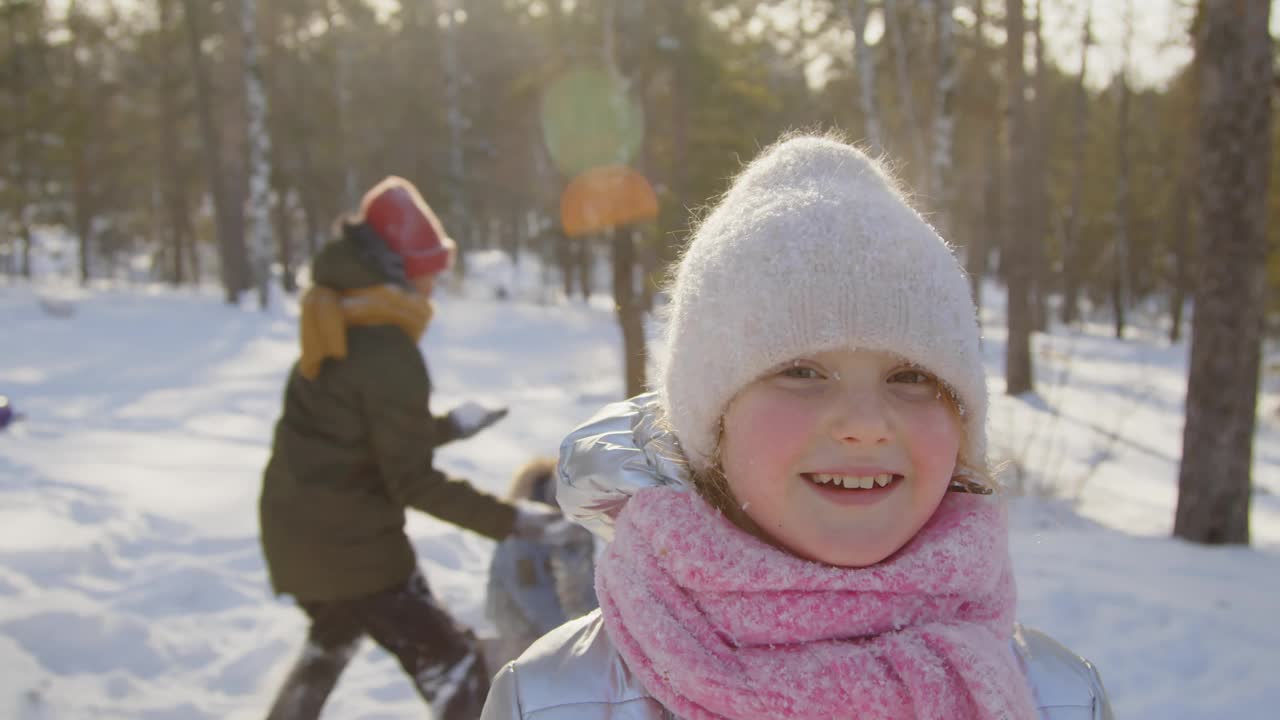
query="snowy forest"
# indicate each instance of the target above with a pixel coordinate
(1105, 170)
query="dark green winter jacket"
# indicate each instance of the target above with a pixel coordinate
(353, 448)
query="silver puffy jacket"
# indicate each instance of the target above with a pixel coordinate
(574, 672)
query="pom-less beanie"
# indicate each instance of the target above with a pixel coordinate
(813, 248)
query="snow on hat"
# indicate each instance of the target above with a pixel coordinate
(813, 248)
(398, 214)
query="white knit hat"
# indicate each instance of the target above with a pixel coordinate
(812, 249)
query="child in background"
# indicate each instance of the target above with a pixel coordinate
(354, 450)
(802, 522)
(534, 587)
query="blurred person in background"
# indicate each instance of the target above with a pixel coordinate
(534, 587)
(354, 448)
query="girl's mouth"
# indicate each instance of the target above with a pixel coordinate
(852, 482)
(853, 490)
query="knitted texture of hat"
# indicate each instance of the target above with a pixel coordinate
(813, 249)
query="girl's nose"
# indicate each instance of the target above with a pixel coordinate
(859, 418)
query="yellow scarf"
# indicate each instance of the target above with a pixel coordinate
(327, 313)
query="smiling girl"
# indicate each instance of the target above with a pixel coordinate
(801, 520)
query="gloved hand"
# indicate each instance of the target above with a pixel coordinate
(470, 418)
(541, 523)
(7, 413)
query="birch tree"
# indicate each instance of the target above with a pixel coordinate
(865, 60)
(258, 202)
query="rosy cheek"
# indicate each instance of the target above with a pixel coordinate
(765, 432)
(936, 436)
(768, 417)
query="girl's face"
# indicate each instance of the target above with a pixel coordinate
(841, 457)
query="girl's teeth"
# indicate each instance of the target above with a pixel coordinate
(853, 483)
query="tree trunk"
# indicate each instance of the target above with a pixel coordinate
(865, 60)
(459, 221)
(630, 315)
(1017, 255)
(1071, 240)
(311, 221)
(893, 21)
(290, 161)
(1184, 235)
(24, 228)
(231, 250)
(1120, 246)
(585, 260)
(343, 114)
(304, 180)
(83, 207)
(21, 193)
(1038, 205)
(173, 197)
(565, 259)
(513, 232)
(649, 267)
(1123, 212)
(989, 223)
(177, 246)
(82, 213)
(1234, 55)
(284, 235)
(944, 91)
(307, 190)
(80, 140)
(258, 205)
(1186, 231)
(679, 114)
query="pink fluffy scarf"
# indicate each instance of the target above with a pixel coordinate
(718, 624)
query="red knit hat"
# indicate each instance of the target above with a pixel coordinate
(396, 211)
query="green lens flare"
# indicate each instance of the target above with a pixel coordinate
(590, 120)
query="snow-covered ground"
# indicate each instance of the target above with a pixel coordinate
(131, 583)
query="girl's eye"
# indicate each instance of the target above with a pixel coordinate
(801, 372)
(912, 377)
